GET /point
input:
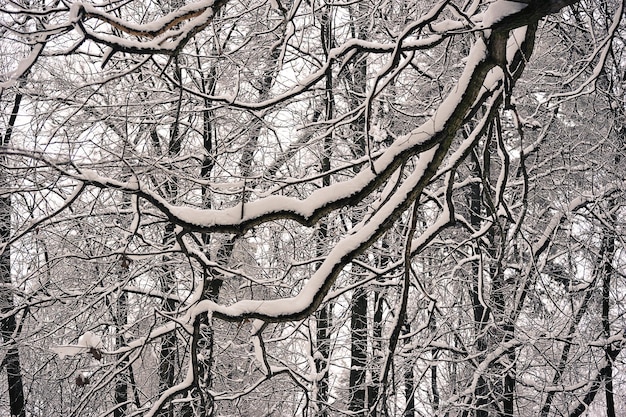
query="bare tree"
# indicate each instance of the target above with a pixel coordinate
(268, 208)
(9, 329)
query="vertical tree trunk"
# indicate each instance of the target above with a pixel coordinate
(500, 388)
(374, 391)
(8, 324)
(325, 314)
(434, 382)
(202, 339)
(358, 310)
(119, 314)
(323, 345)
(358, 352)
(501, 293)
(168, 351)
(608, 242)
(478, 307)
(121, 382)
(409, 377)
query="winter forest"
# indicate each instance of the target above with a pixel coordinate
(275, 208)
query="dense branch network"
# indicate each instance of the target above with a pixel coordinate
(216, 168)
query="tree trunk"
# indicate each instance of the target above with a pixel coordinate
(409, 378)
(358, 352)
(480, 313)
(358, 310)
(121, 382)
(168, 351)
(324, 316)
(8, 324)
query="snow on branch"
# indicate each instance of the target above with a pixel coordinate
(499, 10)
(431, 142)
(167, 34)
(153, 29)
(439, 129)
(88, 342)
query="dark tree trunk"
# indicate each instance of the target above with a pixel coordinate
(358, 323)
(8, 324)
(168, 351)
(409, 379)
(358, 352)
(481, 314)
(121, 382)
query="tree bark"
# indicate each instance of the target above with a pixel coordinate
(8, 324)
(324, 316)
(358, 402)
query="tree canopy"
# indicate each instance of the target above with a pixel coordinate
(238, 208)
